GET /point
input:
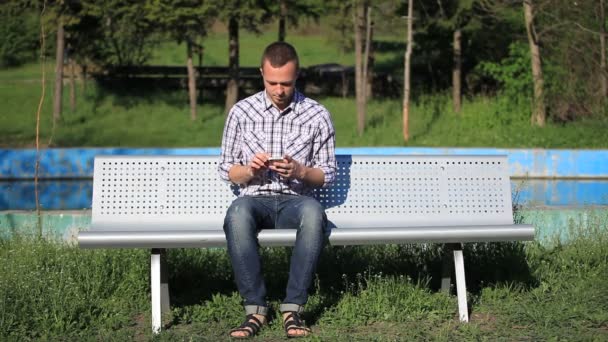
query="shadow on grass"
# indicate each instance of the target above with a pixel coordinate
(131, 93)
(436, 112)
(196, 275)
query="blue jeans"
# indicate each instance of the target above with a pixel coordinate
(245, 217)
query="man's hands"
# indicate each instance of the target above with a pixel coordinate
(243, 174)
(258, 164)
(288, 168)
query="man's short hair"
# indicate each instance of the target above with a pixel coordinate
(279, 54)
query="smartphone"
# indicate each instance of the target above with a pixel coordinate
(273, 160)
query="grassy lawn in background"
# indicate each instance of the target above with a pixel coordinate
(155, 118)
(518, 291)
(315, 44)
(312, 50)
(162, 119)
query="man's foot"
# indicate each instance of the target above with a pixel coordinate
(294, 325)
(249, 328)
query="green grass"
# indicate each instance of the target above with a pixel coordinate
(312, 50)
(50, 290)
(154, 118)
(161, 119)
(518, 291)
(313, 42)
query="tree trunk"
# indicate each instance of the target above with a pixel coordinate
(58, 97)
(344, 84)
(406, 71)
(282, 20)
(368, 58)
(359, 23)
(604, 71)
(84, 78)
(72, 85)
(191, 82)
(232, 89)
(538, 107)
(201, 52)
(456, 72)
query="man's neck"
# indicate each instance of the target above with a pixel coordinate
(268, 98)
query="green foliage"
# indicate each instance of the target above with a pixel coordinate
(115, 32)
(250, 14)
(312, 49)
(573, 56)
(50, 291)
(19, 34)
(184, 20)
(155, 118)
(341, 23)
(513, 72)
(387, 21)
(384, 299)
(299, 9)
(54, 291)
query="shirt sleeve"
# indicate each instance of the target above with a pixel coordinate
(231, 145)
(324, 147)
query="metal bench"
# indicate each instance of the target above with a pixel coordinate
(161, 202)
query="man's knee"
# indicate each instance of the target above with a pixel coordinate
(240, 213)
(312, 214)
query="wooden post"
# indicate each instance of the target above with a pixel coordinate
(406, 76)
(538, 106)
(72, 85)
(58, 96)
(232, 89)
(456, 72)
(367, 75)
(359, 20)
(191, 82)
(282, 20)
(604, 70)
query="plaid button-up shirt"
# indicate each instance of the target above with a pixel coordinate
(303, 130)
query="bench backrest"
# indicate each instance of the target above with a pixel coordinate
(185, 192)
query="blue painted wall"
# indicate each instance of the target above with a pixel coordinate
(78, 162)
(76, 194)
(18, 167)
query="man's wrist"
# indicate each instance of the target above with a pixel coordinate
(302, 172)
(249, 171)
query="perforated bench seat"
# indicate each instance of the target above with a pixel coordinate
(162, 202)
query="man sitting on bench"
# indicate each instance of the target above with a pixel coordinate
(277, 146)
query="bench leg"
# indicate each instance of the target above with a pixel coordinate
(159, 287)
(461, 286)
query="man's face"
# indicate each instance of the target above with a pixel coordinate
(280, 82)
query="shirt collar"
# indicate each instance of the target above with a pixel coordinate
(297, 97)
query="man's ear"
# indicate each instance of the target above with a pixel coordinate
(262, 72)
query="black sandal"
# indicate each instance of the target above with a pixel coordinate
(293, 322)
(251, 326)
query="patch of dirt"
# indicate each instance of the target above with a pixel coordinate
(140, 324)
(394, 330)
(603, 328)
(486, 321)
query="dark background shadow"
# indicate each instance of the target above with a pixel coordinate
(338, 192)
(195, 275)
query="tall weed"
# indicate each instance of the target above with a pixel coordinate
(48, 290)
